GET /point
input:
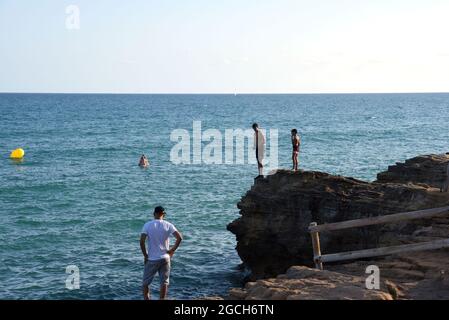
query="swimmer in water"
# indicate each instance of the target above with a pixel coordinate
(144, 161)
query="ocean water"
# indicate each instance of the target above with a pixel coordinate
(79, 198)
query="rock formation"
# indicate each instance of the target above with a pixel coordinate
(419, 276)
(275, 214)
(302, 283)
(428, 171)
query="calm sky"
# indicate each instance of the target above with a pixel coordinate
(206, 46)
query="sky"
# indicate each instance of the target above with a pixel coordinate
(206, 46)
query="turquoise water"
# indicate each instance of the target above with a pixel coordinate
(80, 198)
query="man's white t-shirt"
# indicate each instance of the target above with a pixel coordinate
(158, 233)
(259, 143)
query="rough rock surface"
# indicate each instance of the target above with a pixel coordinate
(428, 171)
(302, 283)
(417, 276)
(275, 214)
(421, 276)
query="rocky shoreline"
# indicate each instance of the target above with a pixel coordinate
(273, 242)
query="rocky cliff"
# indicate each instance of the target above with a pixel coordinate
(421, 276)
(302, 283)
(428, 171)
(275, 214)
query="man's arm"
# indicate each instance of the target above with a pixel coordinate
(143, 237)
(178, 237)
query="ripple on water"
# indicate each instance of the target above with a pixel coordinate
(79, 197)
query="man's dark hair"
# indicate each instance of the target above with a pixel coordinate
(255, 125)
(159, 210)
(294, 131)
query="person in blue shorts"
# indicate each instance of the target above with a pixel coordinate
(157, 259)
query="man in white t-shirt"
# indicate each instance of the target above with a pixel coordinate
(259, 145)
(157, 259)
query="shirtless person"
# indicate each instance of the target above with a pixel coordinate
(296, 142)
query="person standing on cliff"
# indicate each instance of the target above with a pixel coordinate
(296, 142)
(158, 257)
(259, 145)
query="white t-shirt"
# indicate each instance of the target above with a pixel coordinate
(158, 233)
(260, 144)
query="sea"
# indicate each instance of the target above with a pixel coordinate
(72, 210)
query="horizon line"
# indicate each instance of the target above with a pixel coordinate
(224, 93)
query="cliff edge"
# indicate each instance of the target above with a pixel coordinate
(275, 214)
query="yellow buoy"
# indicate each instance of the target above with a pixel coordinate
(17, 154)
